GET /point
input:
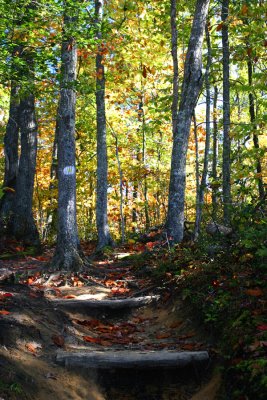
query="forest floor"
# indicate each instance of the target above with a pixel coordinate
(47, 317)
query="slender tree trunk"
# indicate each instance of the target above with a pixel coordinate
(196, 162)
(255, 136)
(214, 155)
(226, 117)
(175, 81)
(51, 217)
(141, 117)
(11, 156)
(104, 238)
(190, 91)
(67, 255)
(121, 191)
(203, 183)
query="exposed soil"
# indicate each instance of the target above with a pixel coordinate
(34, 326)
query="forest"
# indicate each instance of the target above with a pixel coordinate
(134, 169)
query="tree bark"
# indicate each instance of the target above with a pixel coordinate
(254, 126)
(104, 238)
(214, 155)
(23, 225)
(50, 228)
(67, 254)
(190, 91)
(175, 81)
(203, 183)
(11, 140)
(226, 116)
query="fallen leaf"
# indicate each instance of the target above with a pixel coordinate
(163, 335)
(33, 347)
(188, 335)
(120, 290)
(91, 339)
(58, 340)
(70, 296)
(262, 327)
(109, 282)
(93, 323)
(4, 312)
(254, 292)
(176, 324)
(189, 346)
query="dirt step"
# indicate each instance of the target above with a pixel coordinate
(131, 359)
(112, 304)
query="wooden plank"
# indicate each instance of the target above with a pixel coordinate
(115, 304)
(130, 359)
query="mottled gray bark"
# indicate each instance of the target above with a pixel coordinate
(197, 166)
(122, 218)
(226, 116)
(141, 118)
(175, 80)
(11, 156)
(104, 238)
(23, 225)
(50, 228)
(190, 91)
(214, 155)
(67, 254)
(203, 183)
(254, 126)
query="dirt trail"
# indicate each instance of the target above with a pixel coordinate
(40, 321)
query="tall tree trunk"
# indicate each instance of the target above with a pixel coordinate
(214, 155)
(175, 81)
(67, 255)
(190, 91)
(254, 125)
(11, 156)
(226, 116)
(104, 238)
(203, 184)
(23, 225)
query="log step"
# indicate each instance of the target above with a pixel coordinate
(130, 359)
(115, 304)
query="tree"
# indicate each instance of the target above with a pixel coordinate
(23, 225)
(226, 116)
(214, 155)
(203, 183)
(175, 83)
(19, 176)
(104, 238)
(67, 254)
(192, 83)
(11, 142)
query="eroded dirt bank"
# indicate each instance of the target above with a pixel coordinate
(77, 313)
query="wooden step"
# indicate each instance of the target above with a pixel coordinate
(111, 304)
(130, 359)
